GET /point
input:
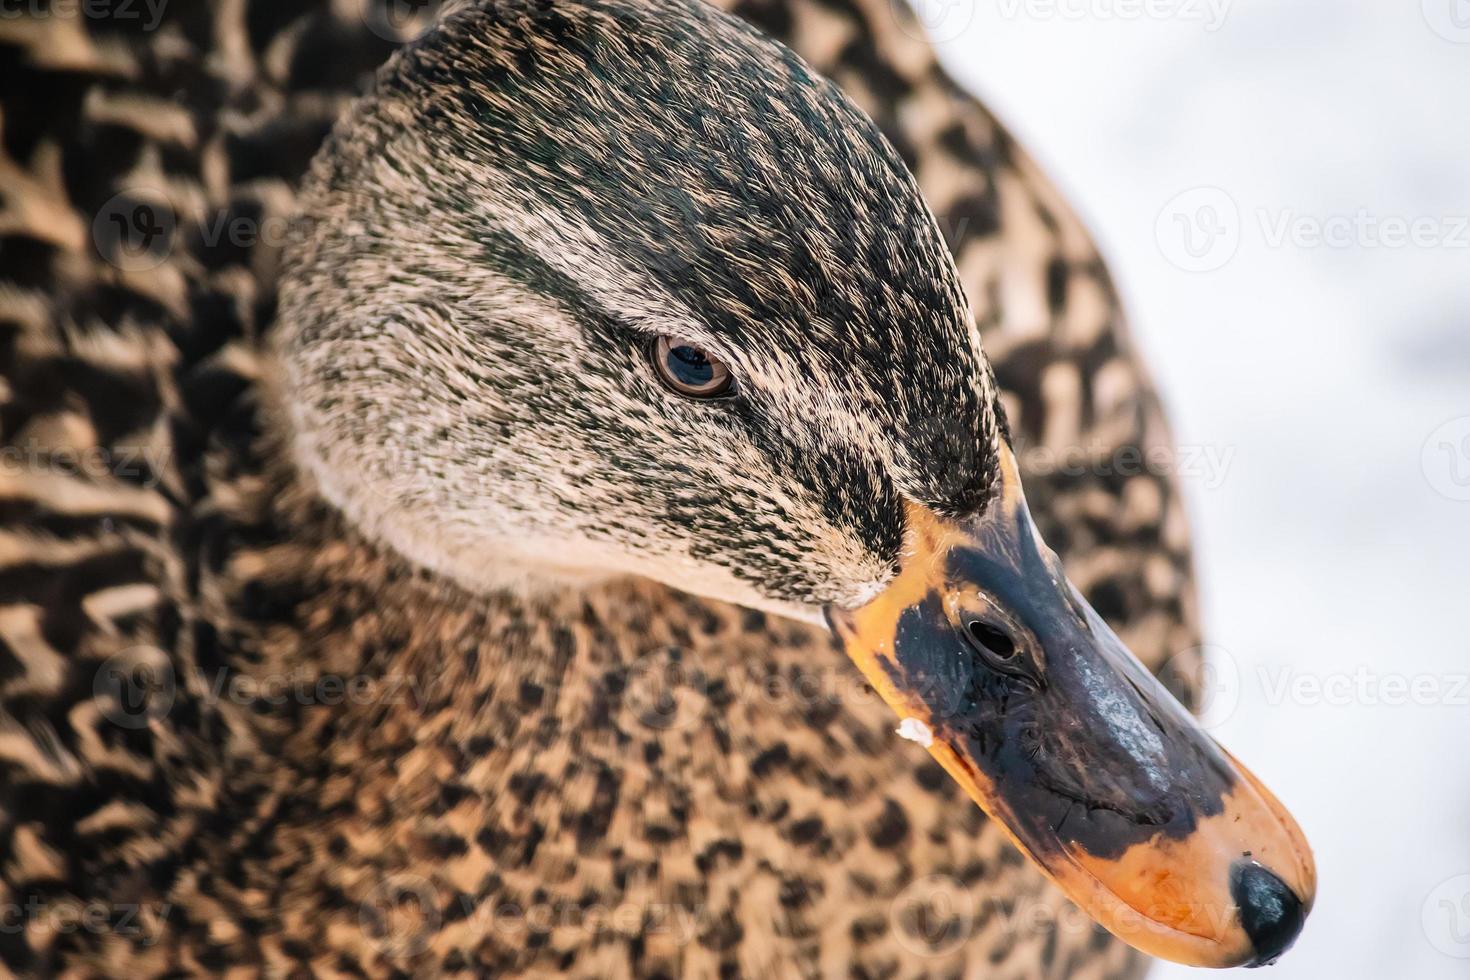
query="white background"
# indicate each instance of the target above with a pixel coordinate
(1330, 548)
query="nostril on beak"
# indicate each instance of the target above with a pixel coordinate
(993, 639)
(999, 650)
(1270, 912)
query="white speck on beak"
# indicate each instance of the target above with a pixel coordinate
(916, 731)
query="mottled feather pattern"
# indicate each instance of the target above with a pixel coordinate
(237, 735)
(653, 168)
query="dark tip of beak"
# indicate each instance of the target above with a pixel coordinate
(1270, 912)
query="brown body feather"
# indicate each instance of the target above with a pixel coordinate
(347, 767)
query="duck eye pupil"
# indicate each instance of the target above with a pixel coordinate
(691, 365)
(689, 369)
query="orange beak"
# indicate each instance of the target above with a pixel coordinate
(1051, 725)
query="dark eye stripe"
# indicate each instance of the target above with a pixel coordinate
(689, 369)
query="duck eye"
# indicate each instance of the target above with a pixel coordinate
(690, 370)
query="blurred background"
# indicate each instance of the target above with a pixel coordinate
(1282, 189)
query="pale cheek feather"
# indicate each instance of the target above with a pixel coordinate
(458, 392)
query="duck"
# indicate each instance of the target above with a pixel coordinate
(569, 487)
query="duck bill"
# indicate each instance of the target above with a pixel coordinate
(1032, 704)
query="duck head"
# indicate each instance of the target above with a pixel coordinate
(620, 287)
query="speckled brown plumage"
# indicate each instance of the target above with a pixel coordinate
(626, 782)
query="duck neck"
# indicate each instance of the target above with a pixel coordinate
(382, 707)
